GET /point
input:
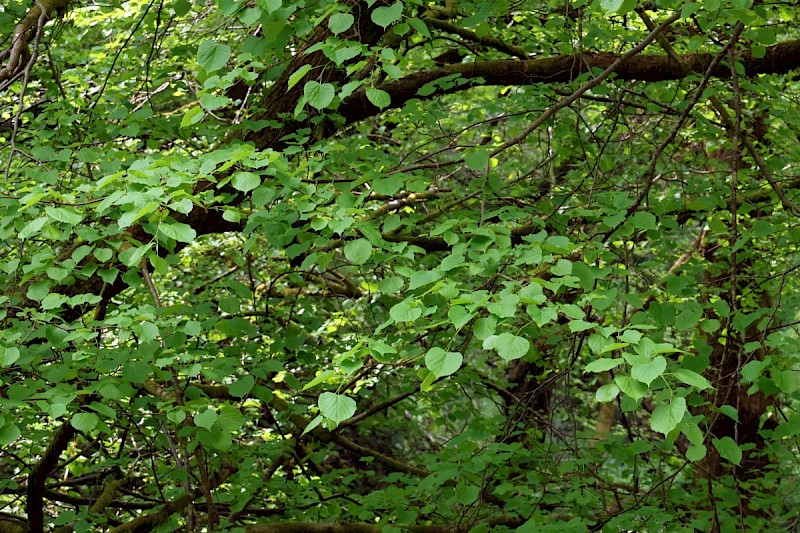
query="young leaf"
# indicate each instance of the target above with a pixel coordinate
(508, 346)
(696, 453)
(318, 95)
(378, 97)
(404, 312)
(206, 418)
(179, 231)
(601, 365)
(665, 418)
(607, 392)
(443, 363)
(386, 16)
(336, 407)
(245, 181)
(728, 449)
(358, 251)
(84, 421)
(213, 56)
(340, 22)
(692, 378)
(242, 387)
(313, 424)
(298, 75)
(648, 372)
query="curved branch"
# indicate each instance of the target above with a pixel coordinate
(779, 59)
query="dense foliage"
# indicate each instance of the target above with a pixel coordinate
(362, 266)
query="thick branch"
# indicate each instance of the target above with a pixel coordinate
(779, 59)
(34, 504)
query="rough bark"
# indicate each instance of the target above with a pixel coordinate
(779, 59)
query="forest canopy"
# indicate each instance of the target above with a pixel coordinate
(372, 266)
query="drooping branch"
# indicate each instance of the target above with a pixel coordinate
(779, 59)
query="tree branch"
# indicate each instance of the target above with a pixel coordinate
(779, 59)
(148, 522)
(34, 504)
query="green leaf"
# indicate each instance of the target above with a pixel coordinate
(84, 421)
(242, 387)
(386, 16)
(601, 365)
(358, 251)
(270, 5)
(644, 220)
(422, 278)
(467, 494)
(340, 22)
(459, 316)
(10, 355)
(37, 291)
(404, 312)
(212, 102)
(103, 254)
(322, 377)
(319, 95)
(298, 75)
(420, 27)
(336, 407)
(313, 424)
(631, 387)
(32, 228)
(696, 453)
(213, 56)
(178, 230)
(64, 214)
(648, 372)
(477, 159)
(131, 257)
(443, 363)
(378, 97)
(192, 116)
(206, 418)
(9, 433)
(728, 449)
(729, 411)
(245, 181)
(665, 418)
(508, 346)
(692, 378)
(619, 7)
(607, 392)
(136, 372)
(576, 326)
